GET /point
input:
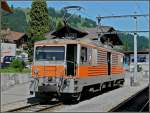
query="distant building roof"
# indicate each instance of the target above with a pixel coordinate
(104, 35)
(5, 6)
(12, 35)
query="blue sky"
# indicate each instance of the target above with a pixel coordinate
(104, 8)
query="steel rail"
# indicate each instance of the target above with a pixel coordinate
(147, 103)
(52, 106)
(123, 105)
(23, 107)
(37, 107)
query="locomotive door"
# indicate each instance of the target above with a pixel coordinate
(109, 62)
(71, 57)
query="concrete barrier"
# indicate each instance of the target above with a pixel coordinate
(9, 80)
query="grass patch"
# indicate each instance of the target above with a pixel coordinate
(13, 70)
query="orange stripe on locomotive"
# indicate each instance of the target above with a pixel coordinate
(82, 71)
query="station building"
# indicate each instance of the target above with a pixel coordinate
(142, 59)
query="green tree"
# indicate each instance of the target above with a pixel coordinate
(59, 24)
(39, 24)
(39, 19)
(126, 46)
(17, 64)
(30, 45)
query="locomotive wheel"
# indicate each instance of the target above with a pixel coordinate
(122, 83)
(103, 86)
(70, 98)
(79, 97)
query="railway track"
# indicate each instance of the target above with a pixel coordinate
(36, 107)
(136, 103)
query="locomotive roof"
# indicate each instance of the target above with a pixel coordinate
(61, 41)
(83, 41)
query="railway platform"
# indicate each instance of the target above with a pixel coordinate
(107, 101)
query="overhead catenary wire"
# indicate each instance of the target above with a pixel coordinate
(122, 16)
(139, 8)
(99, 18)
(123, 32)
(135, 16)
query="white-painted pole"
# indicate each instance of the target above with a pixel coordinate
(135, 51)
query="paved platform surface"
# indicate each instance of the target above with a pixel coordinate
(106, 101)
(17, 97)
(16, 93)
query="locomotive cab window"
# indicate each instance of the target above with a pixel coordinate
(50, 53)
(83, 57)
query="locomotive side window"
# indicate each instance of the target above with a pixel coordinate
(120, 60)
(89, 55)
(50, 53)
(94, 57)
(83, 57)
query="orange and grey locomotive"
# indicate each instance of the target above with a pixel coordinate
(66, 68)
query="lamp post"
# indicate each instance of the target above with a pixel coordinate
(135, 50)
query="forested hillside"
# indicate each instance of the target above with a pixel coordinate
(15, 21)
(128, 41)
(18, 21)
